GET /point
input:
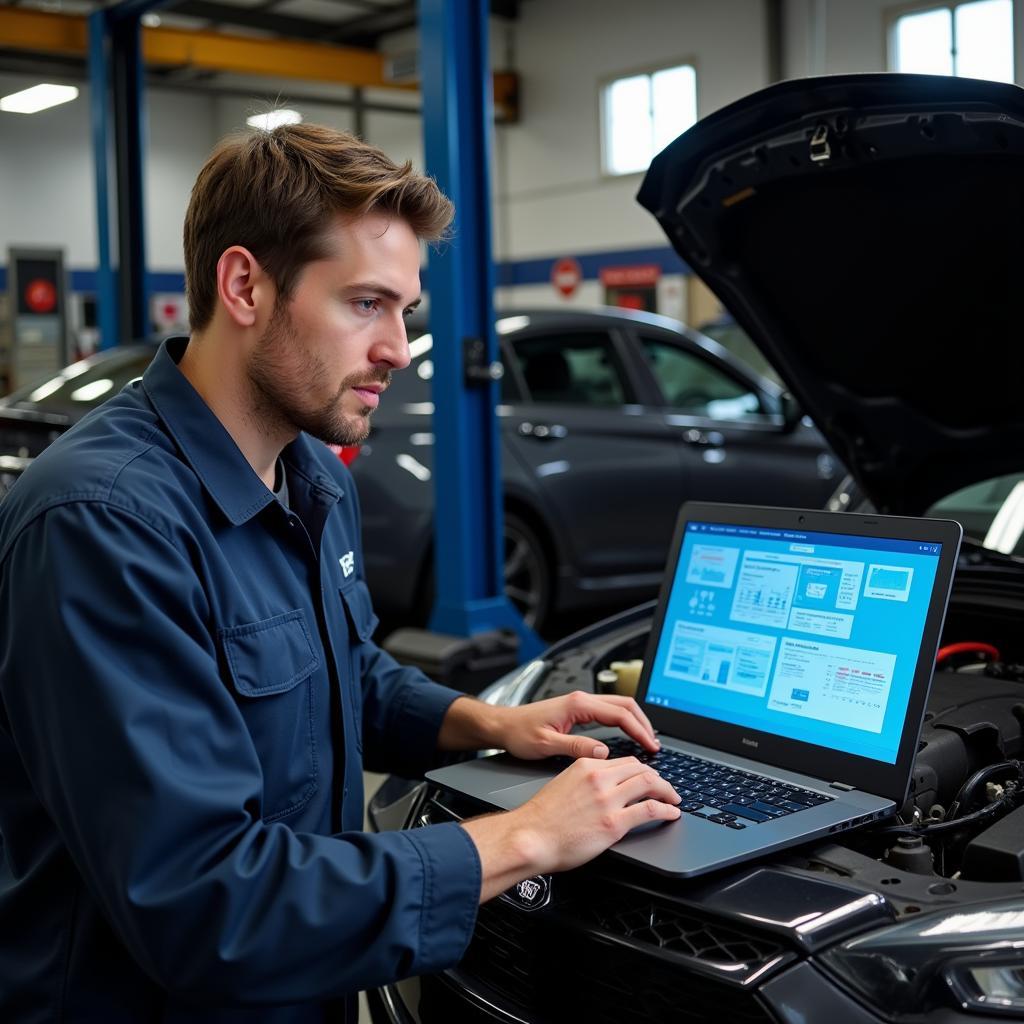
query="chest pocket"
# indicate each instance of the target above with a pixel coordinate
(270, 663)
(355, 599)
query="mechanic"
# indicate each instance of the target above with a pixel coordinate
(189, 684)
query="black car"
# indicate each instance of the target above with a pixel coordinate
(864, 231)
(606, 418)
(609, 421)
(33, 416)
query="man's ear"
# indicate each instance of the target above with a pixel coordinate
(242, 287)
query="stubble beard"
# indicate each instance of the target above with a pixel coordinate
(282, 373)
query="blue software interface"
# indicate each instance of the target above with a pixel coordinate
(812, 636)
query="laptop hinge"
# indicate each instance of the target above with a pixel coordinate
(841, 785)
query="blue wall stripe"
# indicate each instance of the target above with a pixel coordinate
(85, 281)
(509, 274)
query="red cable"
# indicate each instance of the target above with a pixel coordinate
(968, 647)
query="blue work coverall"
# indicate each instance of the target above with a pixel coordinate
(189, 691)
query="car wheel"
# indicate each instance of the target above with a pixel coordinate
(527, 575)
(527, 571)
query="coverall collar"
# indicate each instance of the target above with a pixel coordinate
(209, 449)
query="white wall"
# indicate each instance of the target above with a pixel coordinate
(47, 178)
(551, 198)
(556, 198)
(848, 36)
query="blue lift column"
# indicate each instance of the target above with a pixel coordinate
(116, 83)
(457, 115)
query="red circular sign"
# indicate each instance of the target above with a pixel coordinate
(41, 296)
(566, 275)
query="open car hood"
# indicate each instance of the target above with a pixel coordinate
(866, 231)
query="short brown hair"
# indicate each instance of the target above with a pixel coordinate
(275, 192)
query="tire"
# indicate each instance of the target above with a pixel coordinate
(528, 574)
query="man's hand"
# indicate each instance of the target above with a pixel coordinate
(543, 729)
(576, 816)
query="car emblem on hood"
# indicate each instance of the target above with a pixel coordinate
(530, 893)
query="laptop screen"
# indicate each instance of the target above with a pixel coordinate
(810, 636)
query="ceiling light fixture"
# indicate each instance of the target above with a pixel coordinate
(39, 97)
(274, 119)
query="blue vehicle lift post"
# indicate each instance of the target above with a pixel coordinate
(116, 82)
(457, 119)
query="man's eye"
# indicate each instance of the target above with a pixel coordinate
(367, 305)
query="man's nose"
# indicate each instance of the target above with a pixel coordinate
(393, 345)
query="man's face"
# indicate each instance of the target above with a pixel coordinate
(328, 351)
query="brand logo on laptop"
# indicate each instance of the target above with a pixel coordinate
(750, 743)
(529, 894)
(348, 563)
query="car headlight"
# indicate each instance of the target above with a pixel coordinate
(973, 959)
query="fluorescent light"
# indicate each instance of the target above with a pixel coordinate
(39, 97)
(273, 119)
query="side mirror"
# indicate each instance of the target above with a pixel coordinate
(792, 413)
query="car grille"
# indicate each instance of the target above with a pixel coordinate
(608, 951)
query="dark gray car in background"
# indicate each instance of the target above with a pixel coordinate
(609, 421)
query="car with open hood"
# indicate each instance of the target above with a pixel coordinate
(863, 230)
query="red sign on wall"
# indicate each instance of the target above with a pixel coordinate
(566, 275)
(641, 275)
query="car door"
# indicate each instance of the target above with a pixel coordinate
(607, 468)
(735, 442)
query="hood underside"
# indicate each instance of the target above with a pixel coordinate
(867, 233)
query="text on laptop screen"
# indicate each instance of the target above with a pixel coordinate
(812, 636)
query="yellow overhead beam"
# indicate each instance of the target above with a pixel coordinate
(45, 33)
(212, 51)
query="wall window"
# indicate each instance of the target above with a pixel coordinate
(643, 113)
(972, 40)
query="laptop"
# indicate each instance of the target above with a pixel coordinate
(787, 674)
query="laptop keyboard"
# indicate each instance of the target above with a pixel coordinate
(726, 796)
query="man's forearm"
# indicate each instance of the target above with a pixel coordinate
(471, 724)
(509, 851)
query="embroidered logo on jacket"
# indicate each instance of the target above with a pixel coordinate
(348, 563)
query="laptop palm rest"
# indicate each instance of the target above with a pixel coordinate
(515, 796)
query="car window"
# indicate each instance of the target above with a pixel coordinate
(571, 369)
(692, 384)
(730, 335)
(85, 386)
(991, 512)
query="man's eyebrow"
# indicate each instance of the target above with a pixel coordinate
(380, 289)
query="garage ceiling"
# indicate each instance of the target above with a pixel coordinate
(355, 27)
(359, 23)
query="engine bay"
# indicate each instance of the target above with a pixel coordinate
(964, 817)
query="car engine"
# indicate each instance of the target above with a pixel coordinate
(964, 817)
(958, 841)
